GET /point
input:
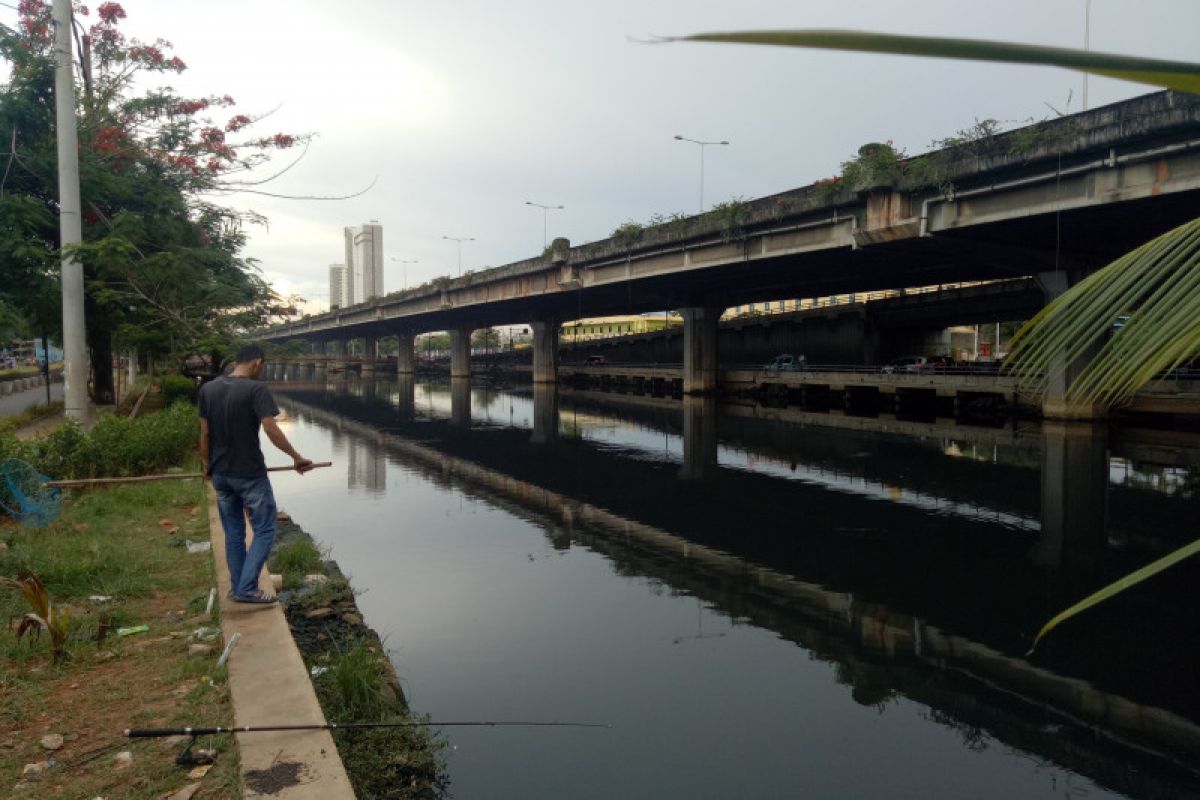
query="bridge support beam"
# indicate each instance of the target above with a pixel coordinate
(699, 439)
(1055, 404)
(1074, 477)
(460, 352)
(460, 402)
(406, 357)
(545, 351)
(700, 325)
(338, 362)
(545, 413)
(370, 353)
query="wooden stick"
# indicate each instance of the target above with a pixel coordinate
(75, 484)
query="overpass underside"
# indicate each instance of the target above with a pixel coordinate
(1091, 188)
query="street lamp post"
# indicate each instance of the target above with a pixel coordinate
(545, 211)
(702, 146)
(459, 240)
(404, 264)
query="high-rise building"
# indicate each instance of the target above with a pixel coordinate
(337, 286)
(364, 262)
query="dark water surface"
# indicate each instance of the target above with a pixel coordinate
(762, 602)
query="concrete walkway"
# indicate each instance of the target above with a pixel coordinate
(271, 686)
(17, 402)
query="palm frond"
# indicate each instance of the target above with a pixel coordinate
(1116, 587)
(1153, 292)
(1181, 75)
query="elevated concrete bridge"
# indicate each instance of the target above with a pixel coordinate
(1052, 201)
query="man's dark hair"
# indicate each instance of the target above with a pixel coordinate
(248, 352)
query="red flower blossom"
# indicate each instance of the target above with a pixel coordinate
(110, 12)
(283, 141)
(191, 106)
(237, 123)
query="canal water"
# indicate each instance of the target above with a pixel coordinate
(762, 602)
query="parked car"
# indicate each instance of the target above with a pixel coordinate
(907, 364)
(940, 362)
(595, 361)
(786, 362)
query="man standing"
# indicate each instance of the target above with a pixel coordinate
(232, 408)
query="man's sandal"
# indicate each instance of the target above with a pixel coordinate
(259, 598)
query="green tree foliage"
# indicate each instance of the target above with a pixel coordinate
(162, 266)
(486, 339)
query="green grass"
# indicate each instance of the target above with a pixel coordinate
(14, 423)
(294, 560)
(381, 762)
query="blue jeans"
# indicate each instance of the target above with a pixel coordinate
(234, 496)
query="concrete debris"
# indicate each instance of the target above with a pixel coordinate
(124, 759)
(199, 772)
(316, 580)
(201, 650)
(33, 772)
(52, 741)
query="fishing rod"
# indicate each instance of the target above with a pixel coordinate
(151, 733)
(188, 758)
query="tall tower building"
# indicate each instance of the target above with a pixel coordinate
(337, 286)
(364, 262)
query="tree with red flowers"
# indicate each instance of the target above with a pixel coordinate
(161, 260)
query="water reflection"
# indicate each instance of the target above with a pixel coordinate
(919, 567)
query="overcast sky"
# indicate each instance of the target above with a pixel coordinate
(465, 110)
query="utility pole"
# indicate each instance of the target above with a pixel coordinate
(75, 360)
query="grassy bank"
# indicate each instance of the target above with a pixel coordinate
(354, 679)
(13, 423)
(115, 558)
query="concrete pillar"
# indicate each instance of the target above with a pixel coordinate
(460, 352)
(132, 365)
(406, 391)
(545, 413)
(460, 401)
(406, 358)
(370, 353)
(700, 325)
(1074, 483)
(1055, 404)
(699, 438)
(545, 351)
(337, 361)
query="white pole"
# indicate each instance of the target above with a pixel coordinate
(75, 360)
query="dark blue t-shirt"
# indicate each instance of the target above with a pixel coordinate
(234, 407)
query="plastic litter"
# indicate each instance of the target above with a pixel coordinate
(206, 634)
(315, 671)
(143, 628)
(212, 595)
(197, 547)
(228, 649)
(100, 598)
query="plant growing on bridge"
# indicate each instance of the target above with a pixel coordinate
(877, 164)
(628, 234)
(731, 217)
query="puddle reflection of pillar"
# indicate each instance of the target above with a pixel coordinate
(406, 391)
(699, 438)
(460, 402)
(545, 413)
(1074, 484)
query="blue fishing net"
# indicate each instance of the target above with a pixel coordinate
(24, 495)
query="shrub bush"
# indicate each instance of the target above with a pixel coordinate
(176, 387)
(115, 447)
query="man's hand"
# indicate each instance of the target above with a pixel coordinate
(301, 464)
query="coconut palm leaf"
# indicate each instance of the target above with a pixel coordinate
(1181, 75)
(1154, 291)
(1116, 587)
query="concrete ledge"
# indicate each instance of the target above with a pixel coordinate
(270, 686)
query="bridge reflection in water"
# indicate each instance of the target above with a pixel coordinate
(920, 565)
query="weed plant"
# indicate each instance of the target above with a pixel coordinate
(177, 387)
(381, 762)
(294, 560)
